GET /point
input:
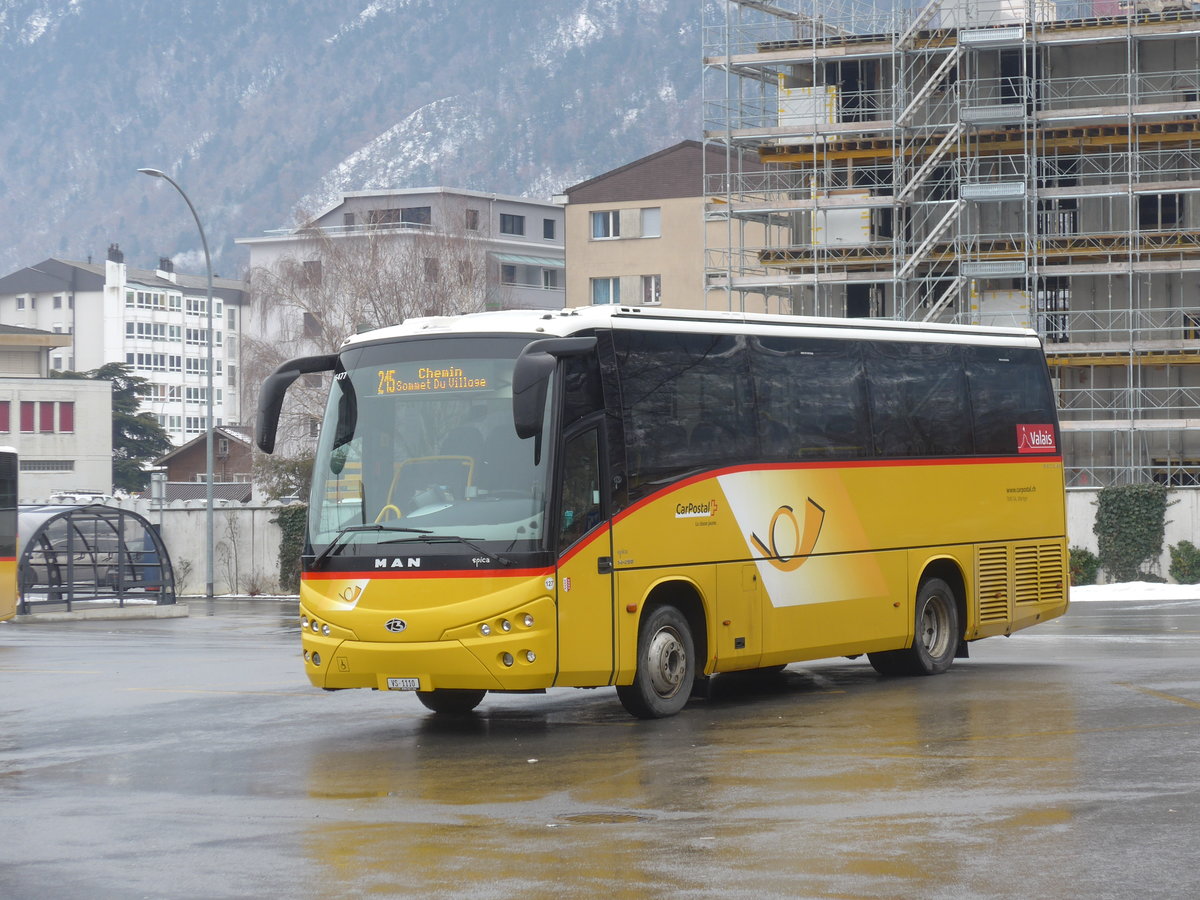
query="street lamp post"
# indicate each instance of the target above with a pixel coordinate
(208, 496)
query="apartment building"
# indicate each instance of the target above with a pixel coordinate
(637, 235)
(155, 321)
(61, 428)
(980, 161)
(512, 246)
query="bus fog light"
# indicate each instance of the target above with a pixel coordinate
(506, 658)
(316, 626)
(306, 656)
(325, 630)
(530, 656)
(527, 620)
(485, 629)
(304, 621)
(316, 659)
(505, 625)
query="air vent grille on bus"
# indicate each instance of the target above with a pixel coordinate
(1025, 573)
(991, 580)
(1052, 576)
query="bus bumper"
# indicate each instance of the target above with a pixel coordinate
(511, 665)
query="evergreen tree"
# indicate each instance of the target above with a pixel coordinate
(137, 438)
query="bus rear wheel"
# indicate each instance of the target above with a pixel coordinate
(451, 702)
(936, 636)
(666, 666)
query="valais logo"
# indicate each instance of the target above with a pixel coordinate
(1036, 439)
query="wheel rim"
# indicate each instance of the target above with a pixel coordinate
(935, 627)
(667, 661)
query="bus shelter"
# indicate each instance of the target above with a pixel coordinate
(94, 554)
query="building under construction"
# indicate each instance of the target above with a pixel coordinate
(978, 161)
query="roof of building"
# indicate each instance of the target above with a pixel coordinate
(16, 336)
(389, 196)
(56, 274)
(241, 434)
(673, 172)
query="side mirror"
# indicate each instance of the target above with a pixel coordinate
(531, 379)
(270, 395)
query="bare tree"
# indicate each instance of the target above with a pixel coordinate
(337, 281)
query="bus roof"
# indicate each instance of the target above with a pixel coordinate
(565, 322)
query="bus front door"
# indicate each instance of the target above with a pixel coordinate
(584, 589)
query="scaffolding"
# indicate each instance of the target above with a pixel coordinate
(1006, 162)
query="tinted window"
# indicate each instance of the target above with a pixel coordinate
(1008, 388)
(687, 402)
(918, 399)
(811, 398)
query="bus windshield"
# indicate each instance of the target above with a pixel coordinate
(418, 444)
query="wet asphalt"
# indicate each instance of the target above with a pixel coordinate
(191, 758)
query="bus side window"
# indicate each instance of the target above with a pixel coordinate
(1008, 388)
(581, 508)
(919, 403)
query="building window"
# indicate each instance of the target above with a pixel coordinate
(58, 363)
(652, 221)
(347, 220)
(66, 416)
(46, 417)
(606, 290)
(417, 215)
(472, 220)
(550, 279)
(5, 421)
(310, 272)
(606, 224)
(20, 303)
(58, 302)
(549, 231)
(510, 224)
(312, 326)
(27, 416)
(231, 318)
(231, 376)
(508, 274)
(47, 465)
(651, 290)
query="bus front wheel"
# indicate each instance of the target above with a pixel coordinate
(936, 636)
(451, 702)
(666, 666)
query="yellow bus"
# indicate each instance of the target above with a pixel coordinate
(521, 500)
(8, 533)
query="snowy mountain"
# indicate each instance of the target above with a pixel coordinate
(260, 108)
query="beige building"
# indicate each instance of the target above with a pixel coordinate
(636, 235)
(60, 427)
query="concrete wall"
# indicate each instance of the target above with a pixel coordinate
(1183, 520)
(245, 542)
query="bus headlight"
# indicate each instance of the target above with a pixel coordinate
(505, 625)
(506, 658)
(527, 620)
(530, 656)
(485, 629)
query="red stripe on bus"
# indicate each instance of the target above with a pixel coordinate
(419, 573)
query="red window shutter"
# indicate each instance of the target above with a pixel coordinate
(27, 415)
(46, 416)
(5, 424)
(66, 416)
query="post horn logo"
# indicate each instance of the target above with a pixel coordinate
(806, 537)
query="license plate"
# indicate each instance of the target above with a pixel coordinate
(404, 684)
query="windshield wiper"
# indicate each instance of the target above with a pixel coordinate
(339, 538)
(448, 539)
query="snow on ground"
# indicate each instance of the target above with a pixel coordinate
(1135, 590)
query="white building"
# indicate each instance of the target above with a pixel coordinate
(60, 427)
(521, 239)
(156, 321)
